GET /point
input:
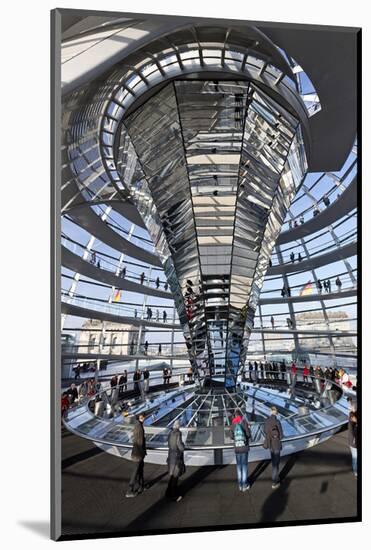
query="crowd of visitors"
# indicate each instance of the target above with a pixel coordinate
(277, 370)
(293, 257)
(76, 394)
(239, 427)
(320, 284)
(88, 366)
(150, 315)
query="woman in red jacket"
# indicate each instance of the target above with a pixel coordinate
(305, 374)
(293, 373)
(65, 403)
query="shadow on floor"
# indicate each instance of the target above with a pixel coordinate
(67, 462)
(290, 463)
(159, 507)
(194, 479)
(119, 478)
(277, 501)
(41, 528)
(258, 471)
(155, 480)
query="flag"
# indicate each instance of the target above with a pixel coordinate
(117, 295)
(307, 289)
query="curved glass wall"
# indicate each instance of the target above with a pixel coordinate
(117, 302)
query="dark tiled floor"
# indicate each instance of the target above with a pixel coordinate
(317, 483)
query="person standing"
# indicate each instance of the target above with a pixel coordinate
(250, 371)
(283, 369)
(142, 275)
(175, 461)
(113, 382)
(190, 374)
(65, 403)
(83, 391)
(311, 373)
(305, 374)
(138, 452)
(273, 436)
(292, 257)
(146, 380)
(353, 439)
(123, 383)
(91, 387)
(72, 393)
(338, 283)
(164, 375)
(77, 372)
(294, 371)
(255, 371)
(241, 435)
(164, 316)
(136, 380)
(272, 321)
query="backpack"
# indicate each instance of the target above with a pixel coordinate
(240, 438)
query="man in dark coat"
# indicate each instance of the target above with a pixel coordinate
(241, 435)
(175, 461)
(113, 382)
(138, 452)
(273, 436)
(123, 382)
(136, 380)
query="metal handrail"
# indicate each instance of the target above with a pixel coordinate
(157, 430)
